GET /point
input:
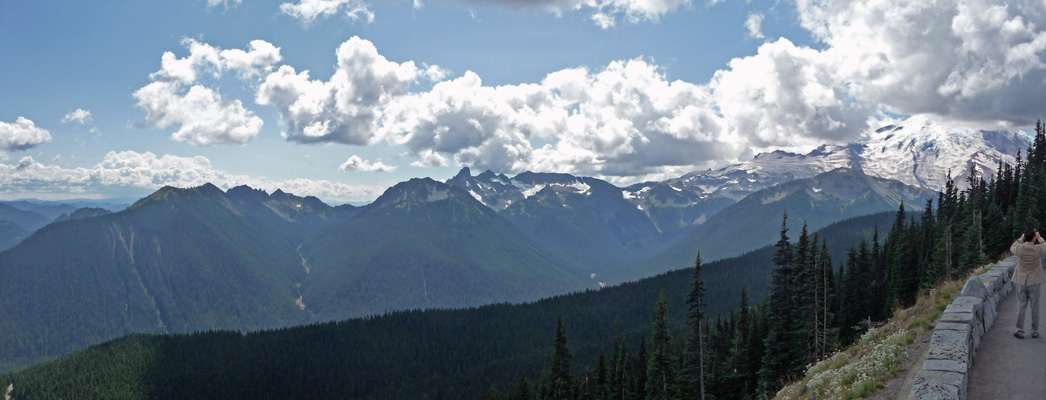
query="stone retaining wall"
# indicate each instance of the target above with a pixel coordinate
(956, 338)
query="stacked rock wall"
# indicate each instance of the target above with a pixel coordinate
(956, 337)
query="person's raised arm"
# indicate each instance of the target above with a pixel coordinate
(1040, 244)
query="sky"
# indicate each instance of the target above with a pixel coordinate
(341, 99)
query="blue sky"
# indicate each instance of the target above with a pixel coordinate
(400, 89)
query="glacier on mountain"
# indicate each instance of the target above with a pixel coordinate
(919, 151)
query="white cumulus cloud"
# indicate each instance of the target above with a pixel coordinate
(205, 118)
(346, 108)
(79, 116)
(309, 11)
(624, 120)
(22, 134)
(788, 97)
(975, 60)
(175, 97)
(357, 164)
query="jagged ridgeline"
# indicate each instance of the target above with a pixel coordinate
(183, 260)
(416, 354)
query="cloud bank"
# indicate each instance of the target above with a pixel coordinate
(129, 169)
(604, 13)
(974, 61)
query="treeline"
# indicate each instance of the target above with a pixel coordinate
(813, 309)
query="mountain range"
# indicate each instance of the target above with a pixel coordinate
(20, 218)
(183, 260)
(410, 354)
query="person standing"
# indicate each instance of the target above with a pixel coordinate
(1028, 276)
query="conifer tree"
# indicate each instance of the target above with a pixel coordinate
(825, 293)
(803, 286)
(903, 277)
(492, 393)
(972, 247)
(1022, 217)
(523, 390)
(660, 377)
(779, 343)
(873, 273)
(941, 256)
(617, 367)
(561, 380)
(640, 368)
(850, 305)
(739, 351)
(928, 277)
(602, 385)
(694, 372)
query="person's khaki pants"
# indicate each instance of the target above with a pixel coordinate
(1026, 294)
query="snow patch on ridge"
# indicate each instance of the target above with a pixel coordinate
(531, 190)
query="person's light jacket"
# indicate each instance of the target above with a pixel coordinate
(1028, 271)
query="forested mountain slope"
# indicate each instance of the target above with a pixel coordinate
(754, 221)
(417, 354)
(425, 244)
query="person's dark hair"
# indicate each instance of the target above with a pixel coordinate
(1029, 234)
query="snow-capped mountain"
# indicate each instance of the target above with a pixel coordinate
(921, 151)
(766, 169)
(494, 191)
(918, 152)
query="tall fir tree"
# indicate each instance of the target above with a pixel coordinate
(825, 293)
(1022, 217)
(873, 267)
(560, 377)
(524, 390)
(972, 247)
(928, 276)
(779, 344)
(941, 255)
(901, 278)
(694, 373)
(739, 354)
(602, 386)
(640, 367)
(660, 375)
(803, 286)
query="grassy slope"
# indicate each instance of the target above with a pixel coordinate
(879, 361)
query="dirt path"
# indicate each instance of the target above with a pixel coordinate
(1007, 368)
